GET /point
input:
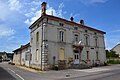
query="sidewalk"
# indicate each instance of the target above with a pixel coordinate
(29, 69)
(71, 73)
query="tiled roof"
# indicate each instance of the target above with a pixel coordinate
(22, 47)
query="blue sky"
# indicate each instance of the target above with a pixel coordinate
(17, 15)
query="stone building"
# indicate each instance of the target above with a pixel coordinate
(116, 49)
(22, 55)
(56, 41)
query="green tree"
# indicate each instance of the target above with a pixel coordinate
(0, 57)
(111, 54)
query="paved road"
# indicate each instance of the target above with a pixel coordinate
(11, 72)
(4, 75)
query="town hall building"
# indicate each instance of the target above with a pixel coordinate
(64, 43)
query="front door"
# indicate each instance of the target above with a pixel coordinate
(76, 58)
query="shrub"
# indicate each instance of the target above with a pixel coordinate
(113, 62)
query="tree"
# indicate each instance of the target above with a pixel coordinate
(111, 54)
(0, 57)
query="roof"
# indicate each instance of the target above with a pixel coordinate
(2, 52)
(115, 46)
(66, 21)
(22, 47)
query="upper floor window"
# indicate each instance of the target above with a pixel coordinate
(37, 36)
(61, 36)
(76, 38)
(61, 24)
(96, 42)
(86, 40)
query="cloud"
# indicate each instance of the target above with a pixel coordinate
(4, 11)
(32, 17)
(6, 31)
(115, 31)
(87, 2)
(14, 5)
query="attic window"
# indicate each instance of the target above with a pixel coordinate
(61, 24)
(75, 28)
(95, 33)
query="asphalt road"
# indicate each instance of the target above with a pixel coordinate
(12, 72)
(4, 75)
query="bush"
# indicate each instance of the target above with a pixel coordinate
(113, 62)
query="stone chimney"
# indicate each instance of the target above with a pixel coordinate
(43, 5)
(71, 19)
(82, 22)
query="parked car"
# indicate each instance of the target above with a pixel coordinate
(0, 60)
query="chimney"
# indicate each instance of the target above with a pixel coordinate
(82, 22)
(71, 18)
(43, 5)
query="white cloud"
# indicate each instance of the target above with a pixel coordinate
(4, 11)
(86, 2)
(115, 31)
(50, 11)
(6, 31)
(14, 5)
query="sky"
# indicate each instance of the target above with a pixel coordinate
(17, 15)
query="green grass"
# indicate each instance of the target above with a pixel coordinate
(113, 61)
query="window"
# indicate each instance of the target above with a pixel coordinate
(76, 56)
(86, 39)
(86, 31)
(75, 28)
(37, 54)
(61, 54)
(27, 56)
(61, 36)
(61, 24)
(96, 42)
(76, 38)
(37, 36)
(87, 55)
(97, 55)
(31, 40)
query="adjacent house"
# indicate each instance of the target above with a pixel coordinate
(4, 55)
(57, 41)
(116, 49)
(22, 55)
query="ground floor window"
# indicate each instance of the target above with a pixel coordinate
(97, 55)
(36, 54)
(62, 54)
(87, 55)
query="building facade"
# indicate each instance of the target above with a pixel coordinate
(55, 39)
(116, 49)
(22, 55)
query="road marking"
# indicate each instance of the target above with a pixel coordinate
(16, 74)
(20, 76)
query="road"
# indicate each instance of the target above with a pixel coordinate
(12, 72)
